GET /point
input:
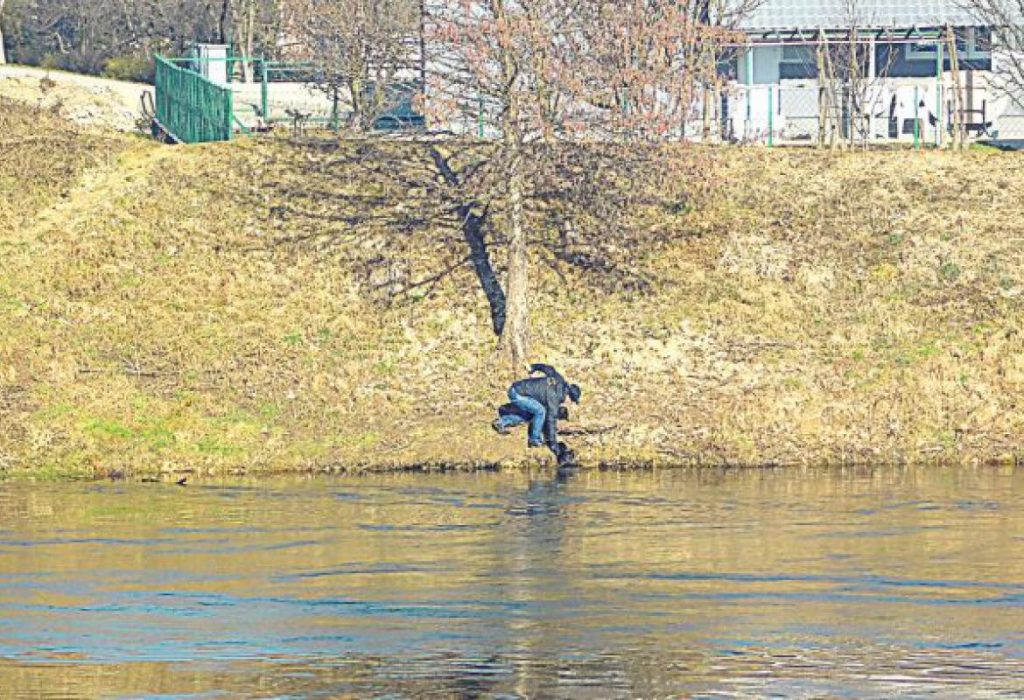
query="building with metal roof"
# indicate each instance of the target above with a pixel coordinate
(871, 70)
(772, 16)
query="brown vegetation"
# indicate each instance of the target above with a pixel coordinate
(263, 305)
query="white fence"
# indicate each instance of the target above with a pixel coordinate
(885, 111)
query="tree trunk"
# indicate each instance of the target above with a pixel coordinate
(245, 30)
(515, 338)
(705, 130)
(3, 54)
(222, 21)
(959, 128)
(852, 94)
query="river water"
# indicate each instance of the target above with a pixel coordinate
(795, 583)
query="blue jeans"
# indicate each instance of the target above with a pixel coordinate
(536, 410)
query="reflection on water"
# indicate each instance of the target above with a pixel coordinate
(801, 583)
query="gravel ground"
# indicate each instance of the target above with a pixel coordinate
(83, 99)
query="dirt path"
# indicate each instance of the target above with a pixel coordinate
(99, 187)
(82, 99)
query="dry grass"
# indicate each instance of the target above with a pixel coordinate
(818, 307)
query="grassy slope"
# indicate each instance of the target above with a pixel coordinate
(823, 308)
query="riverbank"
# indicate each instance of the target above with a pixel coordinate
(218, 309)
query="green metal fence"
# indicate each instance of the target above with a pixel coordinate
(191, 108)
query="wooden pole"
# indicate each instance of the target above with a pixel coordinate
(959, 132)
(822, 92)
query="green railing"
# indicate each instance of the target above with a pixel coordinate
(191, 108)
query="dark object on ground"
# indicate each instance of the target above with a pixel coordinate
(116, 475)
(498, 427)
(181, 481)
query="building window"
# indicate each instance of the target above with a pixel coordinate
(972, 44)
(922, 50)
(798, 54)
(798, 62)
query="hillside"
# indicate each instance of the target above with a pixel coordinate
(159, 312)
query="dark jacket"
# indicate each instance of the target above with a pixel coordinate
(571, 390)
(548, 371)
(551, 394)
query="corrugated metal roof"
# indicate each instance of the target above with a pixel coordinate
(867, 14)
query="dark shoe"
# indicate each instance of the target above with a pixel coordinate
(531, 443)
(498, 427)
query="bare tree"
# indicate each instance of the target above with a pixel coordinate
(531, 74)
(362, 48)
(726, 16)
(1006, 19)
(549, 163)
(255, 26)
(849, 79)
(482, 60)
(86, 36)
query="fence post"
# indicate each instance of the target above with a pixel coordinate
(750, 93)
(771, 116)
(939, 126)
(158, 80)
(265, 94)
(334, 110)
(229, 114)
(872, 78)
(917, 120)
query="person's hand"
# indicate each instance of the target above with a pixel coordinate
(566, 457)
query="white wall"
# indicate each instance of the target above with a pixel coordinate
(215, 67)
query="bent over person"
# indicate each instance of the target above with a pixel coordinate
(541, 399)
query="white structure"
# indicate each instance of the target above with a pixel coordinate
(212, 62)
(904, 86)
